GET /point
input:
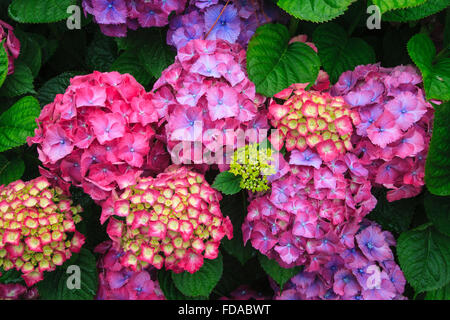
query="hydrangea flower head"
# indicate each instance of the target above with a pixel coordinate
(311, 213)
(364, 270)
(16, 291)
(209, 100)
(117, 282)
(10, 43)
(173, 220)
(311, 119)
(101, 134)
(116, 16)
(234, 21)
(253, 164)
(37, 228)
(393, 135)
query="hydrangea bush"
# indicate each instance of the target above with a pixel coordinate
(224, 150)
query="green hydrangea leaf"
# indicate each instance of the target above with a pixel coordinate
(39, 11)
(128, 62)
(227, 183)
(339, 53)
(54, 86)
(3, 63)
(387, 5)
(279, 274)
(18, 83)
(439, 294)
(315, 10)
(435, 71)
(10, 170)
(55, 283)
(156, 55)
(426, 9)
(101, 53)
(30, 52)
(424, 256)
(18, 122)
(202, 282)
(437, 166)
(273, 64)
(438, 211)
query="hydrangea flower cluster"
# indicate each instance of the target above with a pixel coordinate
(172, 220)
(245, 292)
(117, 282)
(208, 98)
(115, 17)
(16, 291)
(311, 212)
(35, 223)
(365, 270)
(311, 119)
(253, 164)
(101, 134)
(395, 130)
(234, 22)
(11, 44)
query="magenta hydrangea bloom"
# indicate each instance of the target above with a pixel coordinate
(101, 134)
(208, 100)
(37, 228)
(11, 44)
(16, 291)
(364, 270)
(393, 136)
(117, 282)
(312, 212)
(173, 220)
(115, 17)
(237, 22)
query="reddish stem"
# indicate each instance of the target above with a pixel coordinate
(215, 22)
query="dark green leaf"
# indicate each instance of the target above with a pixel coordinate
(315, 10)
(30, 53)
(227, 183)
(436, 74)
(18, 122)
(437, 167)
(168, 286)
(18, 83)
(386, 5)
(54, 86)
(54, 286)
(101, 53)
(156, 55)
(439, 294)
(273, 64)
(128, 62)
(416, 13)
(279, 274)
(438, 211)
(339, 53)
(10, 170)
(424, 256)
(202, 282)
(3, 63)
(39, 11)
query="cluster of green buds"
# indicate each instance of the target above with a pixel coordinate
(173, 220)
(37, 228)
(312, 119)
(253, 164)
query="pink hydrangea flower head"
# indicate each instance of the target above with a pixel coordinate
(394, 132)
(117, 282)
(16, 291)
(234, 22)
(210, 103)
(37, 228)
(173, 220)
(115, 17)
(365, 270)
(101, 134)
(10, 43)
(311, 213)
(311, 119)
